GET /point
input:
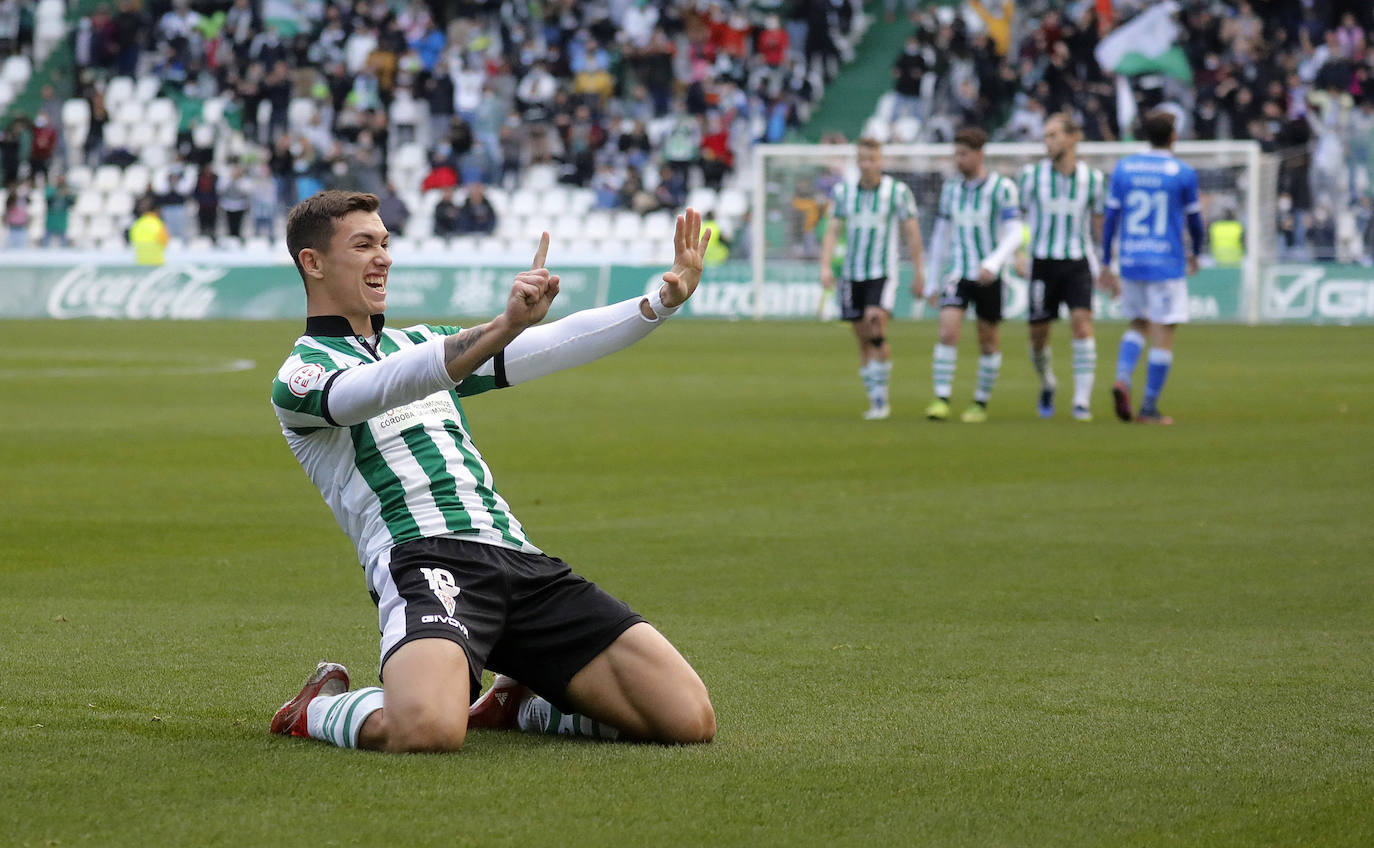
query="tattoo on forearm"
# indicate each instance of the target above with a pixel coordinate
(456, 346)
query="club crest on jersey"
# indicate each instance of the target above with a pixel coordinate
(304, 378)
(442, 585)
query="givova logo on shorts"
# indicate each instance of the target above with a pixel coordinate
(442, 585)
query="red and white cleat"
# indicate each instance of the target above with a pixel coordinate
(499, 706)
(328, 679)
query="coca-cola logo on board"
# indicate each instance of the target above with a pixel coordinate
(181, 291)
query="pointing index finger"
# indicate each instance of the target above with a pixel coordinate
(541, 253)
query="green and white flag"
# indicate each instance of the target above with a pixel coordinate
(1147, 43)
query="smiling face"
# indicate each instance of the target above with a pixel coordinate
(353, 269)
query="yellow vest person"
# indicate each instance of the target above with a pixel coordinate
(719, 249)
(148, 235)
(1228, 246)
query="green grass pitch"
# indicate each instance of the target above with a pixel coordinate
(1025, 633)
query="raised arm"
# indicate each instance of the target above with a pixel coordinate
(592, 333)
(353, 395)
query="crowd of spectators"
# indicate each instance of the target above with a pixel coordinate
(1295, 75)
(634, 100)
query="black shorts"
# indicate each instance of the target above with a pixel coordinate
(985, 297)
(1056, 281)
(525, 615)
(855, 297)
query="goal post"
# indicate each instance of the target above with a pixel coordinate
(790, 182)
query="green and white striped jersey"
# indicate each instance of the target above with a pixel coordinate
(870, 217)
(975, 211)
(408, 473)
(1059, 208)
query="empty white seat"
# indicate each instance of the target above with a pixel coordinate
(658, 226)
(78, 177)
(76, 112)
(98, 228)
(155, 156)
(702, 199)
(212, 110)
(118, 91)
(540, 177)
(136, 178)
(129, 113)
(162, 111)
(300, 113)
(524, 203)
(581, 200)
(119, 205)
(17, 69)
(147, 88)
(142, 135)
(627, 226)
(596, 225)
(116, 135)
(107, 178)
(732, 203)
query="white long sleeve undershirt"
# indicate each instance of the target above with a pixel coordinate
(356, 394)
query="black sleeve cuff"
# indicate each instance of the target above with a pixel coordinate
(499, 364)
(324, 398)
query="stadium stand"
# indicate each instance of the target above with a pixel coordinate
(555, 108)
(1296, 76)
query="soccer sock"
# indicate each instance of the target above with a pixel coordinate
(1084, 368)
(989, 364)
(942, 369)
(884, 372)
(1156, 372)
(539, 716)
(1132, 343)
(1044, 366)
(338, 718)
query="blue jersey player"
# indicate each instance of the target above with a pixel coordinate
(1152, 196)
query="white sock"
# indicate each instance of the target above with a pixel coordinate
(989, 364)
(1043, 361)
(942, 369)
(875, 375)
(336, 719)
(1084, 369)
(884, 372)
(539, 716)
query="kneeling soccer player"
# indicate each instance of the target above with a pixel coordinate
(374, 416)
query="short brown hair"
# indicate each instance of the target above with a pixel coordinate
(971, 137)
(870, 142)
(311, 222)
(1068, 121)
(1158, 128)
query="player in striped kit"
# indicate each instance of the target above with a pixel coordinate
(374, 415)
(870, 208)
(1061, 197)
(1153, 196)
(979, 228)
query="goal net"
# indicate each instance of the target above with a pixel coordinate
(791, 185)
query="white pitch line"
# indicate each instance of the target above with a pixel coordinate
(143, 371)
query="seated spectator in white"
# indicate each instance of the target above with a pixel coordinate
(477, 215)
(535, 92)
